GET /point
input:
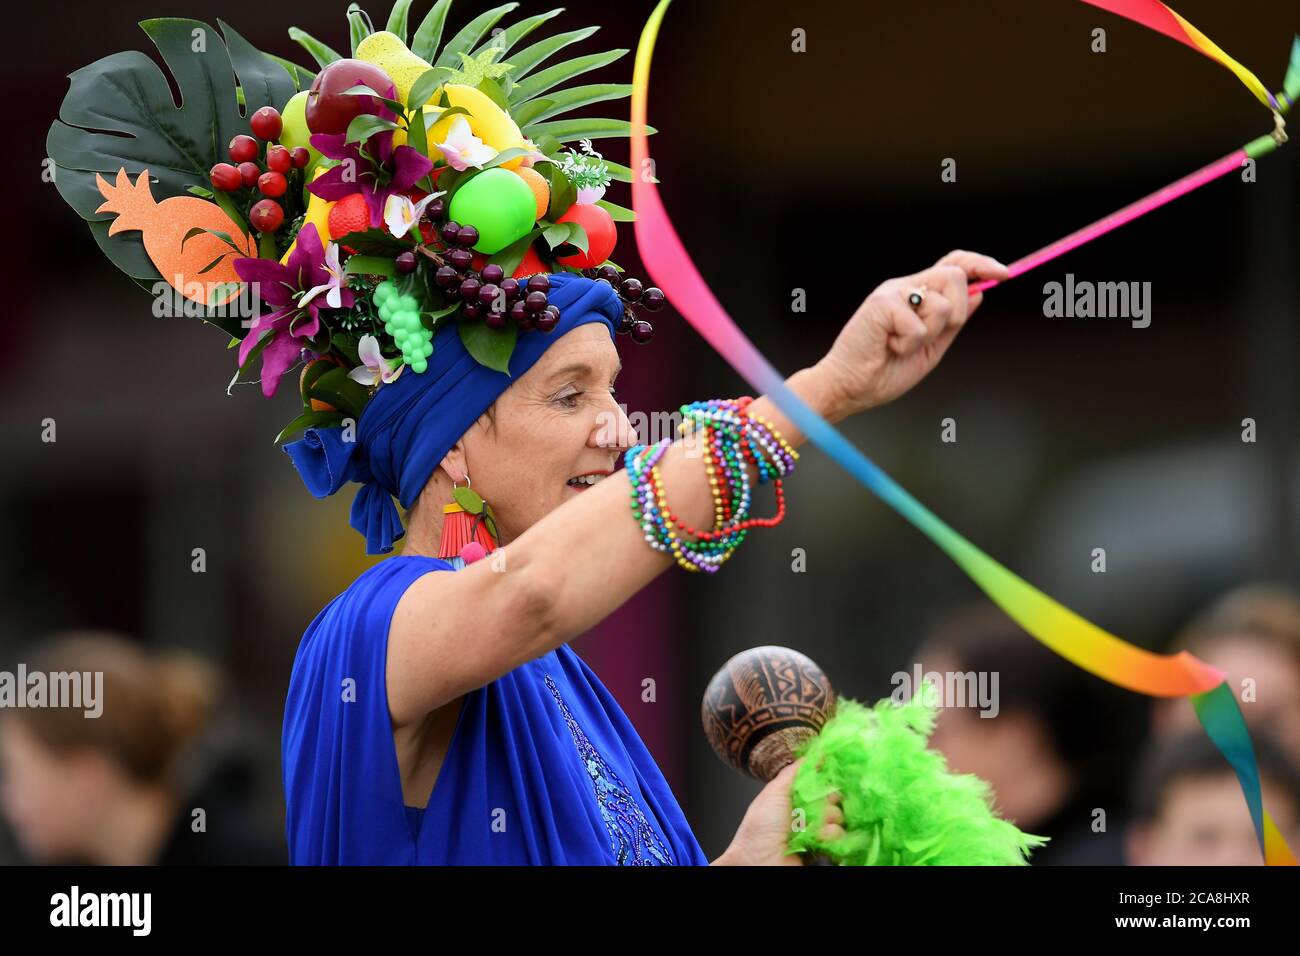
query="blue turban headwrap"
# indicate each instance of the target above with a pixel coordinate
(410, 424)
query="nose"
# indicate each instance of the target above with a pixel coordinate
(613, 428)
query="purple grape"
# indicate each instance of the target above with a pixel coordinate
(449, 232)
(436, 209)
(469, 289)
(653, 299)
(535, 301)
(539, 283)
(460, 259)
(472, 310)
(523, 318)
(445, 277)
(495, 320)
(631, 289)
(488, 295)
(608, 273)
(642, 331)
(493, 273)
(467, 236)
(510, 287)
(547, 321)
(405, 262)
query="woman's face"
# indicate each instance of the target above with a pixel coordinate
(49, 800)
(558, 421)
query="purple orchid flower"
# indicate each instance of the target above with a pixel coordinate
(377, 174)
(293, 322)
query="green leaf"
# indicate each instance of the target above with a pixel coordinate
(340, 391)
(424, 88)
(370, 266)
(510, 257)
(362, 90)
(504, 157)
(428, 35)
(577, 235)
(469, 499)
(417, 139)
(120, 112)
(616, 212)
(530, 111)
(622, 174)
(563, 192)
(228, 205)
(561, 73)
(223, 236)
(471, 34)
(310, 376)
(506, 39)
(564, 100)
(366, 125)
(359, 26)
(488, 347)
(322, 54)
(302, 76)
(347, 345)
(310, 419)
(397, 18)
(556, 234)
(568, 131)
(527, 60)
(201, 191)
(492, 89)
(374, 242)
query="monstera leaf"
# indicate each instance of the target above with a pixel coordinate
(120, 112)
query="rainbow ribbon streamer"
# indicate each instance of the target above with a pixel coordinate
(1065, 632)
(1158, 17)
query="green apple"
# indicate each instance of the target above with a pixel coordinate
(295, 131)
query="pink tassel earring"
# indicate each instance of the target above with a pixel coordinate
(469, 528)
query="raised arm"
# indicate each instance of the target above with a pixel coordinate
(452, 633)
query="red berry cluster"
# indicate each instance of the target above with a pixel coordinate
(270, 177)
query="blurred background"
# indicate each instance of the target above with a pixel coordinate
(817, 170)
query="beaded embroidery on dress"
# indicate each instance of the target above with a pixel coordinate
(632, 838)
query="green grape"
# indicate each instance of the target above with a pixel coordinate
(419, 366)
(382, 293)
(408, 303)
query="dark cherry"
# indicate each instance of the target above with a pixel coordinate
(631, 289)
(535, 301)
(642, 331)
(460, 259)
(539, 283)
(653, 299)
(493, 273)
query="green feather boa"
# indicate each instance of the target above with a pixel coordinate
(902, 805)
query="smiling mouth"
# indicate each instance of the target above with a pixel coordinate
(584, 482)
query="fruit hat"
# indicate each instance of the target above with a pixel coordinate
(342, 219)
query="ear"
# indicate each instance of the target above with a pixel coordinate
(454, 463)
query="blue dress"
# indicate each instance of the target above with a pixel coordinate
(544, 768)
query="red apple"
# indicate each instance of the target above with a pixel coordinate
(330, 108)
(601, 235)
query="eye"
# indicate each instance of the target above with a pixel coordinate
(569, 401)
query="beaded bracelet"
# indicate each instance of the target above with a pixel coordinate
(731, 437)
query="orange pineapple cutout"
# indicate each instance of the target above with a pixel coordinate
(164, 226)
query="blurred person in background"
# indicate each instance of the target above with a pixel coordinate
(1054, 752)
(1251, 634)
(1188, 810)
(122, 788)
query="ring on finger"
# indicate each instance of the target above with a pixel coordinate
(917, 296)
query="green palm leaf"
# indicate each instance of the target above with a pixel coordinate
(536, 110)
(553, 76)
(568, 131)
(428, 36)
(471, 34)
(527, 60)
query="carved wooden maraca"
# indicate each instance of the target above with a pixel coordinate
(761, 705)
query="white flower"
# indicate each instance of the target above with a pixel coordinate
(400, 214)
(375, 367)
(333, 286)
(462, 148)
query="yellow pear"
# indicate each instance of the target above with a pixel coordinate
(387, 51)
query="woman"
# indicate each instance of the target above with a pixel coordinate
(120, 788)
(441, 718)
